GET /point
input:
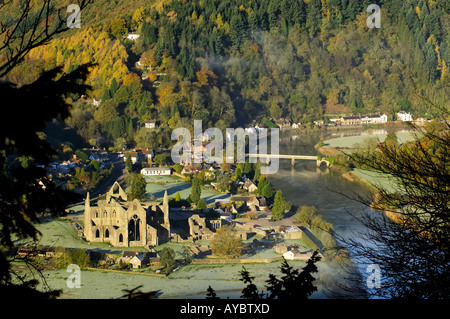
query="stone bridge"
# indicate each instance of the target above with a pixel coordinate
(319, 160)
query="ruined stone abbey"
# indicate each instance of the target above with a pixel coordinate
(125, 223)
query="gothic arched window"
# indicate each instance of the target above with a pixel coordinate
(134, 233)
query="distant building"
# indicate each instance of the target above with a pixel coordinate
(292, 254)
(283, 124)
(250, 186)
(318, 122)
(374, 119)
(150, 124)
(191, 169)
(351, 120)
(404, 117)
(133, 36)
(136, 259)
(96, 102)
(135, 156)
(156, 171)
(421, 121)
(148, 154)
(258, 202)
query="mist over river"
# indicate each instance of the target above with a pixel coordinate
(305, 184)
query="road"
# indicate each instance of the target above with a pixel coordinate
(117, 175)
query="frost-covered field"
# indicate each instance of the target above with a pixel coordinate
(190, 282)
(380, 180)
(352, 141)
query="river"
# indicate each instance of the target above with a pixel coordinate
(305, 184)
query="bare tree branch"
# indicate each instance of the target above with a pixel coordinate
(33, 28)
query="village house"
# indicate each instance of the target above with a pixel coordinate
(249, 186)
(136, 156)
(404, 117)
(191, 169)
(293, 254)
(136, 259)
(257, 202)
(351, 121)
(147, 154)
(283, 124)
(374, 119)
(150, 124)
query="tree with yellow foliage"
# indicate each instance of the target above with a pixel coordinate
(137, 18)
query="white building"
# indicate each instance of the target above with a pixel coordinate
(374, 119)
(132, 36)
(155, 171)
(150, 124)
(404, 117)
(292, 254)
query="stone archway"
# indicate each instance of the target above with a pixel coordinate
(134, 229)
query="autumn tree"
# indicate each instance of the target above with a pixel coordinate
(305, 214)
(118, 28)
(137, 18)
(226, 243)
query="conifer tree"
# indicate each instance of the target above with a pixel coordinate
(196, 191)
(314, 17)
(138, 187)
(278, 206)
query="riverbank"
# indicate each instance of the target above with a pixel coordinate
(369, 180)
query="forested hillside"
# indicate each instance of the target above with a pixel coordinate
(233, 62)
